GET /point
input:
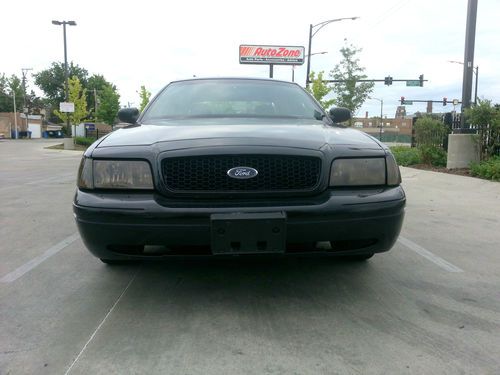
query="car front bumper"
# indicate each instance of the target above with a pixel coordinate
(116, 225)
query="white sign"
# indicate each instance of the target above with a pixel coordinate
(264, 54)
(67, 107)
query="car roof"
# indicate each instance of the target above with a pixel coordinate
(234, 79)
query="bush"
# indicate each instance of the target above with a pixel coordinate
(488, 169)
(433, 155)
(429, 132)
(486, 117)
(84, 141)
(406, 156)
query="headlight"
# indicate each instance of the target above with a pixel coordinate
(115, 174)
(358, 172)
(393, 174)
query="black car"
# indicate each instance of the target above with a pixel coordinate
(237, 167)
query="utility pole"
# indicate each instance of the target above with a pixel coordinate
(95, 105)
(470, 37)
(26, 111)
(15, 114)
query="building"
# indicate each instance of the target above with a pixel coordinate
(392, 130)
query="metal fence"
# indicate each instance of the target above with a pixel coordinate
(489, 136)
(96, 133)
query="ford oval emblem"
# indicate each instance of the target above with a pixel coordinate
(242, 173)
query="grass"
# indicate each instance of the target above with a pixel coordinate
(487, 169)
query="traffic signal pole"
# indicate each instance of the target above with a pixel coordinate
(470, 37)
(387, 80)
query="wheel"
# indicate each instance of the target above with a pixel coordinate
(115, 262)
(358, 257)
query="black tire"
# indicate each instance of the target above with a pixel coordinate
(115, 262)
(359, 257)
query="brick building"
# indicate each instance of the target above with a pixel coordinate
(393, 129)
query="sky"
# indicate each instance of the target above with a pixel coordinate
(152, 43)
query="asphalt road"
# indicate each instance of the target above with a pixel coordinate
(429, 306)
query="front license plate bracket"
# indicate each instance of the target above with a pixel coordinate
(248, 233)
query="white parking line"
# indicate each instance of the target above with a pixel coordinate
(102, 322)
(429, 256)
(28, 266)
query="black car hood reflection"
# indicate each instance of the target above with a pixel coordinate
(291, 133)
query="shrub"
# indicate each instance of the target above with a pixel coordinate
(406, 156)
(433, 155)
(84, 141)
(486, 117)
(429, 132)
(488, 169)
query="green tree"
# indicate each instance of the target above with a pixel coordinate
(349, 92)
(487, 118)
(9, 86)
(109, 105)
(77, 95)
(95, 87)
(320, 89)
(51, 81)
(144, 95)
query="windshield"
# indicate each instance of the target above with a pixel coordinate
(232, 98)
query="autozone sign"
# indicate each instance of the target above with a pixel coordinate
(263, 54)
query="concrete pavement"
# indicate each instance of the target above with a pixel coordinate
(429, 306)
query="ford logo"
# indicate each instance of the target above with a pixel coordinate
(242, 173)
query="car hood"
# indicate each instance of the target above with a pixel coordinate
(301, 133)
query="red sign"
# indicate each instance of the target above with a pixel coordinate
(263, 54)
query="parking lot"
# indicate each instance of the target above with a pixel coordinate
(429, 306)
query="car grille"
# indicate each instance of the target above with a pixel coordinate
(209, 173)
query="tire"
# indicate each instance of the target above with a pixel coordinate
(359, 257)
(116, 262)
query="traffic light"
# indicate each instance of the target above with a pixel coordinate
(445, 101)
(388, 80)
(421, 79)
(402, 100)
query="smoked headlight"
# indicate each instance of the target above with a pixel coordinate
(358, 172)
(115, 174)
(393, 174)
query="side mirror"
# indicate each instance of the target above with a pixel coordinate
(128, 115)
(339, 114)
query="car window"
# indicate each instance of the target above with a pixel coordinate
(232, 98)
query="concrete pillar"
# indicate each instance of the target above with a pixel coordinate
(69, 144)
(462, 150)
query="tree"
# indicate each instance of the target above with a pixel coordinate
(109, 105)
(350, 93)
(95, 87)
(319, 89)
(77, 95)
(8, 86)
(487, 118)
(144, 96)
(51, 81)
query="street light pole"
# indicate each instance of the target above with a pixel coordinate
(66, 75)
(311, 35)
(475, 90)
(308, 55)
(476, 72)
(381, 120)
(381, 123)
